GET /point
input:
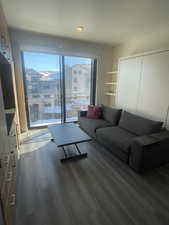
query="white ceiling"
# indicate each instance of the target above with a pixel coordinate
(105, 21)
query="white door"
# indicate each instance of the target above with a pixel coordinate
(129, 83)
(154, 91)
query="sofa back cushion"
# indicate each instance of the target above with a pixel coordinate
(94, 112)
(139, 125)
(111, 115)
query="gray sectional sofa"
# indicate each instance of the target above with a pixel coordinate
(140, 142)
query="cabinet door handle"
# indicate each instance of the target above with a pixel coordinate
(14, 161)
(6, 161)
(9, 176)
(13, 200)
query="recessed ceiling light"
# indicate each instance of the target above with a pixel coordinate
(79, 28)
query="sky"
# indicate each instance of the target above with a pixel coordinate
(49, 62)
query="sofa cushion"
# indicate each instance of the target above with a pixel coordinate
(111, 115)
(90, 125)
(115, 136)
(139, 125)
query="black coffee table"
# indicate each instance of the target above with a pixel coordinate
(69, 134)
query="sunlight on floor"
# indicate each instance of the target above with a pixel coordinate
(34, 139)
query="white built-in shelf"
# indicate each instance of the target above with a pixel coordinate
(110, 93)
(112, 72)
(111, 83)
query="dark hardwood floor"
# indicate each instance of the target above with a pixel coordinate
(98, 190)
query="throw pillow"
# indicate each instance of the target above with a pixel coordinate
(94, 112)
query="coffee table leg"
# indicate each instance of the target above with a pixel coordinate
(65, 153)
(74, 157)
(77, 148)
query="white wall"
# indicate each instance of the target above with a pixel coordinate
(22, 40)
(150, 41)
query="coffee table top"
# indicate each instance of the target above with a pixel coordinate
(67, 134)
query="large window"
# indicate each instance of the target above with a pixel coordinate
(57, 87)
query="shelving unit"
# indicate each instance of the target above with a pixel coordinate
(110, 85)
(8, 131)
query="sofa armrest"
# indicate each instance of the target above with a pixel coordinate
(82, 114)
(149, 151)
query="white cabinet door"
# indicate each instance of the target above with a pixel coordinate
(154, 89)
(129, 83)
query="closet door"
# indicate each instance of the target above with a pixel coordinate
(154, 91)
(129, 83)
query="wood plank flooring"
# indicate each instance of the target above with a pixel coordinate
(98, 190)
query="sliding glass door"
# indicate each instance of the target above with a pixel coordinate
(56, 87)
(42, 86)
(78, 78)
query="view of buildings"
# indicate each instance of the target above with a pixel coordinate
(44, 91)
